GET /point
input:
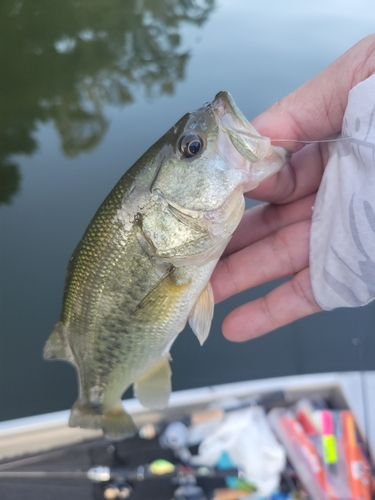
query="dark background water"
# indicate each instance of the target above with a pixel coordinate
(85, 88)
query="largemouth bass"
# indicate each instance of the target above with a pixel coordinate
(142, 268)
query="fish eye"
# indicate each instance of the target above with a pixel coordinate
(190, 145)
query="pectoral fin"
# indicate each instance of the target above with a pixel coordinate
(202, 313)
(154, 388)
(57, 345)
(161, 299)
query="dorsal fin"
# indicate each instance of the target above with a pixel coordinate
(57, 345)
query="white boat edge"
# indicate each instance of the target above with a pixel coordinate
(49, 431)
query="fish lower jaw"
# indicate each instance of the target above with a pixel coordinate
(259, 172)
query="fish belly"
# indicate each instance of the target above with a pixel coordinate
(121, 327)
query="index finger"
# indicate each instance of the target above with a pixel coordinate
(312, 112)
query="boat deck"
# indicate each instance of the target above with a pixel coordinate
(46, 444)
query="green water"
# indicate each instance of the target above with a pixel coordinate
(85, 88)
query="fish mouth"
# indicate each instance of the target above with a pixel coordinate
(248, 142)
(224, 104)
(242, 147)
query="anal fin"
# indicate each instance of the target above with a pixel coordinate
(154, 388)
(57, 345)
(201, 315)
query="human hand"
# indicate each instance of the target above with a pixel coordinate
(272, 240)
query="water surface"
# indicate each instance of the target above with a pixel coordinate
(85, 89)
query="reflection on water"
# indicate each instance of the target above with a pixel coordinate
(63, 61)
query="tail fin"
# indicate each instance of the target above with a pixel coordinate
(115, 422)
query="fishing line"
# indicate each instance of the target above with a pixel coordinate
(310, 142)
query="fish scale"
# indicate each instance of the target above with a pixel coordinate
(142, 268)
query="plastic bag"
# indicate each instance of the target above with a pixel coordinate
(246, 437)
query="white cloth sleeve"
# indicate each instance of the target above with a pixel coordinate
(342, 243)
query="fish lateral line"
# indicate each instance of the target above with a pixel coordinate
(155, 239)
